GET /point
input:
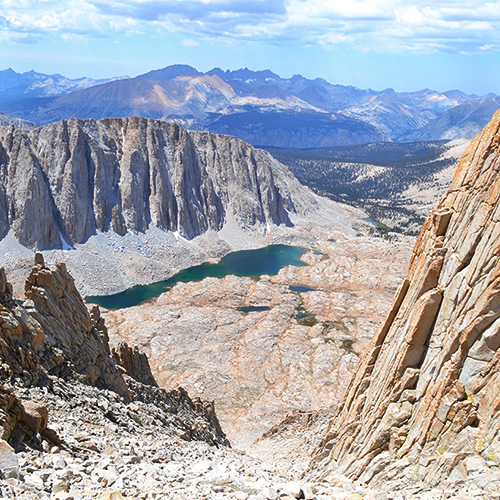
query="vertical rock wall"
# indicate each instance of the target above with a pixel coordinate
(424, 404)
(67, 180)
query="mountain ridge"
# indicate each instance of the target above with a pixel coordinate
(217, 100)
(6, 120)
(34, 84)
(126, 174)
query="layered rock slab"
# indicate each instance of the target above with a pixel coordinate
(423, 405)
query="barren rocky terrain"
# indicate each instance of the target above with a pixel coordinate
(81, 425)
(81, 428)
(82, 415)
(296, 355)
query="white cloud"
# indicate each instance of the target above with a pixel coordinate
(410, 16)
(353, 9)
(189, 42)
(376, 25)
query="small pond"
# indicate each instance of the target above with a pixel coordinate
(249, 309)
(379, 225)
(301, 288)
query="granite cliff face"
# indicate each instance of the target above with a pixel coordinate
(423, 405)
(61, 183)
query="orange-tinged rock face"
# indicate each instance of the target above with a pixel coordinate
(454, 382)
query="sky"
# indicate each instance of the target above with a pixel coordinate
(401, 44)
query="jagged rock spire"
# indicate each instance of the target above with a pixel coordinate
(52, 337)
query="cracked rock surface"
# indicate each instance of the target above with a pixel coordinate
(423, 406)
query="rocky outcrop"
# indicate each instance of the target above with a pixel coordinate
(135, 363)
(61, 183)
(52, 346)
(20, 418)
(56, 333)
(6, 120)
(424, 399)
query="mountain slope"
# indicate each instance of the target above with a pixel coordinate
(15, 85)
(397, 184)
(261, 115)
(397, 113)
(53, 341)
(137, 97)
(62, 390)
(423, 405)
(6, 120)
(464, 121)
(293, 129)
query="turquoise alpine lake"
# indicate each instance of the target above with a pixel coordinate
(267, 260)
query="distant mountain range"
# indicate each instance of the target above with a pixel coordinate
(31, 84)
(259, 107)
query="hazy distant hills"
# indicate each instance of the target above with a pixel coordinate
(32, 84)
(259, 107)
(463, 121)
(22, 93)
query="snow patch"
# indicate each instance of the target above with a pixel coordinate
(178, 236)
(65, 245)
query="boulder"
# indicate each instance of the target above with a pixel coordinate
(35, 416)
(9, 465)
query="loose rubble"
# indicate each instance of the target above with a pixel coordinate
(101, 459)
(105, 460)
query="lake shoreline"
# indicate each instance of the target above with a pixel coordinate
(244, 263)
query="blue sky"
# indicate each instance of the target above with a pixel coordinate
(406, 45)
